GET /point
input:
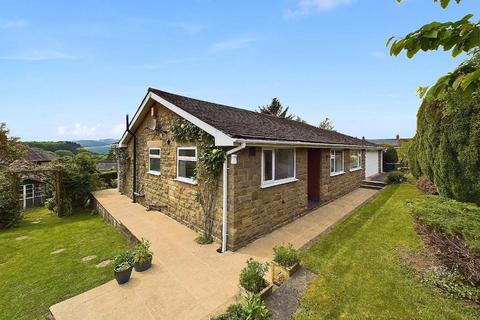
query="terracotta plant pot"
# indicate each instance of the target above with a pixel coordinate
(140, 267)
(266, 291)
(281, 274)
(123, 276)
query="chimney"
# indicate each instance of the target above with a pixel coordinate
(398, 137)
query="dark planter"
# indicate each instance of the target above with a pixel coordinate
(123, 276)
(140, 267)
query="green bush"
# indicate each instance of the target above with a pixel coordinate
(450, 216)
(396, 177)
(390, 155)
(251, 277)
(141, 252)
(10, 211)
(445, 147)
(252, 309)
(123, 261)
(286, 255)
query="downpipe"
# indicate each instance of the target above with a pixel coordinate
(134, 178)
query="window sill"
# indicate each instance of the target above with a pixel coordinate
(277, 183)
(336, 173)
(355, 169)
(186, 180)
(155, 173)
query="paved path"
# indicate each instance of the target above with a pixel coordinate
(187, 281)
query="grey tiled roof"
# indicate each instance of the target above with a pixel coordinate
(246, 124)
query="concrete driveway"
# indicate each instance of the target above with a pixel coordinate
(187, 281)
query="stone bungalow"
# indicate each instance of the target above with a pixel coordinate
(276, 169)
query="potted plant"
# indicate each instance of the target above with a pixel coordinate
(142, 256)
(123, 265)
(252, 279)
(285, 263)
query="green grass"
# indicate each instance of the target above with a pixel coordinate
(32, 279)
(360, 275)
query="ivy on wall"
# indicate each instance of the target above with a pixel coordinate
(208, 169)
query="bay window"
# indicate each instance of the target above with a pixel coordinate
(355, 158)
(278, 166)
(336, 162)
(186, 164)
(154, 161)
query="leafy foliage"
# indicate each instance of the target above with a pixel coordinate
(424, 184)
(141, 252)
(204, 239)
(396, 177)
(445, 147)
(252, 309)
(452, 282)
(251, 276)
(450, 216)
(53, 146)
(123, 261)
(276, 109)
(10, 213)
(326, 124)
(455, 36)
(64, 153)
(402, 152)
(286, 255)
(390, 155)
(10, 147)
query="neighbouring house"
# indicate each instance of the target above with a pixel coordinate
(275, 171)
(395, 143)
(104, 166)
(32, 190)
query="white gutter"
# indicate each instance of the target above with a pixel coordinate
(302, 144)
(225, 194)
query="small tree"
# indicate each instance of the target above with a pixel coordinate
(10, 147)
(326, 124)
(390, 155)
(276, 109)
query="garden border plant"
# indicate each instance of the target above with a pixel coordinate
(286, 261)
(207, 172)
(252, 279)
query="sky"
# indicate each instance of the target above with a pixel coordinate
(71, 70)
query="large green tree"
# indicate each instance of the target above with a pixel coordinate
(275, 108)
(461, 36)
(11, 148)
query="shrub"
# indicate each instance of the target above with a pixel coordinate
(251, 277)
(123, 261)
(445, 147)
(141, 252)
(424, 184)
(252, 309)
(396, 177)
(10, 212)
(204, 239)
(286, 255)
(390, 155)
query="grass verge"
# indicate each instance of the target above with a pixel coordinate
(359, 271)
(32, 278)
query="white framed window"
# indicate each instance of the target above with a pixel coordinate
(186, 164)
(278, 166)
(336, 162)
(154, 161)
(355, 160)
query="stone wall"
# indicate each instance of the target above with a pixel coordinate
(163, 190)
(258, 211)
(333, 187)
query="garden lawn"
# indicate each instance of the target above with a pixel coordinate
(32, 279)
(360, 274)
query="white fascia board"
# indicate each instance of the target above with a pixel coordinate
(221, 139)
(254, 142)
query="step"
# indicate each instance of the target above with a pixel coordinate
(374, 183)
(371, 186)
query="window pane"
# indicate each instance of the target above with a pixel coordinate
(267, 161)
(338, 161)
(155, 152)
(186, 169)
(332, 165)
(353, 159)
(155, 164)
(186, 152)
(284, 165)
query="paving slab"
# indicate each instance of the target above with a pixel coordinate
(187, 280)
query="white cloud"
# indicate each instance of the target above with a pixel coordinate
(118, 129)
(233, 44)
(305, 7)
(13, 24)
(39, 55)
(78, 130)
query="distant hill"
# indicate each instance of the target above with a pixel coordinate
(53, 146)
(96, 143)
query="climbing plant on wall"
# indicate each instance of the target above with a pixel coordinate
(207, 172)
